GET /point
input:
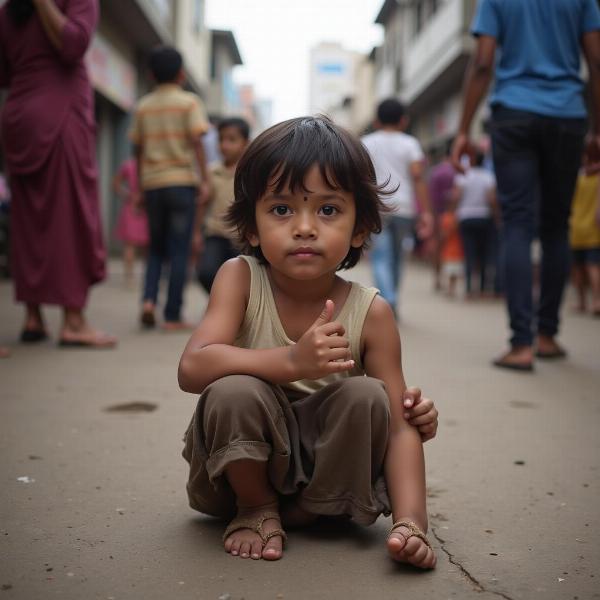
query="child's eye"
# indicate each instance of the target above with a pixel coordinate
(280, 210)
(329, 210)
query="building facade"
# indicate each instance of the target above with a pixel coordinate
(422, 61)
(223, 95)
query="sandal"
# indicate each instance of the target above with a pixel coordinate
(256, 525)
(413, 528)
(32, 336)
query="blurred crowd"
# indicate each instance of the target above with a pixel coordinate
(177, 185)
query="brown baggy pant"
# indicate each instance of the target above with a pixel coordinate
(327, 448)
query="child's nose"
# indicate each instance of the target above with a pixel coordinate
(305, 226)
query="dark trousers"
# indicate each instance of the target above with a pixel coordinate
(171, 212)
(478, 243)
(536, 159)
(216, 251)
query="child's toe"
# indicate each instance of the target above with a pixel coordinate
(256, 550)
(245, 549)
(272, 550)
(395, 544)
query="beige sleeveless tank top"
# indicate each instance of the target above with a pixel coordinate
(262, 327)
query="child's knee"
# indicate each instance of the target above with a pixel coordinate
(368, 396)
(238, 401)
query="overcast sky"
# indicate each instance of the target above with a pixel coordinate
(275, 37)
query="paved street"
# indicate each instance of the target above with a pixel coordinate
(93, 505)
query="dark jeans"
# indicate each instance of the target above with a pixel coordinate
(536, 159)
(216, 251)
(171, 212)
(478, 243)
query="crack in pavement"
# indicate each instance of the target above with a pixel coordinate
(478, 586)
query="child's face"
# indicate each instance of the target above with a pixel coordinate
(305, 235)
(231, 144)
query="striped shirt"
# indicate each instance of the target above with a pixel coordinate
(165, 123)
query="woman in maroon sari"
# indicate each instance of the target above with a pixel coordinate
(47, 128)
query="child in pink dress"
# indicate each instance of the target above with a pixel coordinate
(132, 225)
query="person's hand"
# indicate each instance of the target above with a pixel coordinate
(425, 225)
(591, 153)
(420, 412)
(323, 349)
(204, 192)
(461, 146)
(197, 243)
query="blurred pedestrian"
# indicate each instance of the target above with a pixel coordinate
(132, 224)
(451, 248)
(441, 180)
(167, 130)
(4, 225)
(219, 238)
(399, 163)
(585, 240)
(47, 131)
(475, 193)
(538, 127)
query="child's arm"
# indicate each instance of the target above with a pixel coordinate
(404, 463)
(210, 354)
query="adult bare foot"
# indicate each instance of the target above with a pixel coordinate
(519, 358)
(86, 337)
(177, 326)
(407, 544)
(255, 533)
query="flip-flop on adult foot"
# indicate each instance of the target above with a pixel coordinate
(515, 366)
(557, 353)
(408, 544)
(254, 546)
(32, 336)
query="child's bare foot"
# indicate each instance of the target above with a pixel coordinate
(408, 544)
(255, 533)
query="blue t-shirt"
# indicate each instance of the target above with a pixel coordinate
(537, 67)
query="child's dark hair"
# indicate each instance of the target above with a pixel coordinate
(390, 111)
(165, 63)
(282, 156)
(238, 123)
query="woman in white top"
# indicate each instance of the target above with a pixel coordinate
(476, 195)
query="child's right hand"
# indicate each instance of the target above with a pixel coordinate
(323, 349)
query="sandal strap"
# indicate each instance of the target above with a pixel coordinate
(413, 528)
(276, 532)
(265, 537)
(239, 523)
(256, 524)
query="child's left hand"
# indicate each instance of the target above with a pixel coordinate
(420, 412)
